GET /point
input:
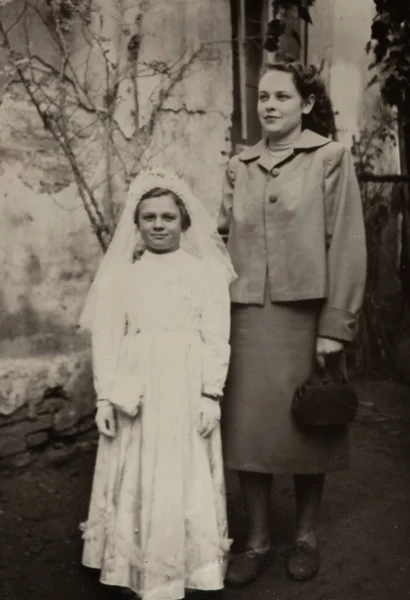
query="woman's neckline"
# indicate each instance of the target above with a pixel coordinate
(281, 154)
(279, 146)
(279, 151)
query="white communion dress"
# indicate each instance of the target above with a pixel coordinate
(157, 520)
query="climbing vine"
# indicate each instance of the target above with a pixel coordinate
(280, 23)
(390, 45)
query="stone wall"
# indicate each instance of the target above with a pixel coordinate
(55, 415)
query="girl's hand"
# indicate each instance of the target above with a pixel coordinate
(326, 347)
(208, 415)
(105, 418)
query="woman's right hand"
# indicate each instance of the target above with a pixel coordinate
(105, 418)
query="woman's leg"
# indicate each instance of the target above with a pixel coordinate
(247, 566)
(308, 493)
(303, 562)
(256, 491)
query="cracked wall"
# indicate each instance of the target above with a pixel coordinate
(48, 252)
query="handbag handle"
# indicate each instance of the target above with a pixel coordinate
(333, 370)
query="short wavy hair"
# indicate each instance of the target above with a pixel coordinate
(307, 80)
(157, 192)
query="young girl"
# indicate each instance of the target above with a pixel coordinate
(292, 207)
(160, 329)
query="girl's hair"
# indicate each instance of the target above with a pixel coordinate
(157, 192)
(307, 80)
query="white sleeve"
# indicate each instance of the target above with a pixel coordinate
(108, 331)
(215, 331)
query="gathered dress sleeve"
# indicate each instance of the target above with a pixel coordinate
(346, 254)
(215, 331)
(108, 331)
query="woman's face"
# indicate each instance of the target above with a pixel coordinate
(280, 106)
(160, 223)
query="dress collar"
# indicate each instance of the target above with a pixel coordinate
(159, 256)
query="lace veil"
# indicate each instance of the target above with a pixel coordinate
(201, 239)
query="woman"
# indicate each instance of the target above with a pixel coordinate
(292, 206)
(160, 330)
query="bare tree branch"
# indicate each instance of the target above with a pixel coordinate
(96, 219)
(59, 92)
(18, 20)
(146, 131)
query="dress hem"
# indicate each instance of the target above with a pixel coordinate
(140, 594)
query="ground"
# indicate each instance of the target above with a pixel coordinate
(365, 530)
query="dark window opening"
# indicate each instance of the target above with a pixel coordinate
(247, 59)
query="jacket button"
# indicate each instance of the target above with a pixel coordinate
(275, 172)
(273, 199)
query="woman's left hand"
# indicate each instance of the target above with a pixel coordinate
(326, 346)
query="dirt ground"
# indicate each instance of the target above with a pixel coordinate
(365, 531)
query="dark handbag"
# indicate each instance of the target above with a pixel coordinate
(326, 397)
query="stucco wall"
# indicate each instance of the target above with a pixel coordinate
(49, 252)
(337, 42)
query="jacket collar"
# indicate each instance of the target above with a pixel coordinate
(309, 140)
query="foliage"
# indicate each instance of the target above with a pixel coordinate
(278, 26)
(368, 150)
(369, 146)
(390, 44)
(382, 202)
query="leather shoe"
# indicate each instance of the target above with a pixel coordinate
(303, 561)
(246, 567)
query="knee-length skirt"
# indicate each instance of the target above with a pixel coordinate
(273, 350)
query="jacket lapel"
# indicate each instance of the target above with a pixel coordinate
(309, 140)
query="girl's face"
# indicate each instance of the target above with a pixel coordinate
(280, 106)
(160, 224)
